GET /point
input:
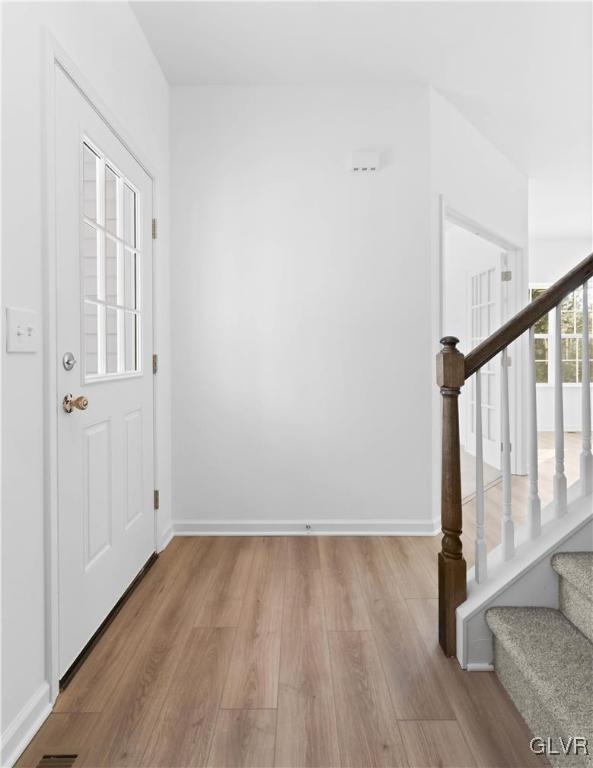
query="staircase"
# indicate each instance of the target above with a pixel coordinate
(541, 647)
(544, 659)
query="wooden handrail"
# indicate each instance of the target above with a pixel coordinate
(453, 369)
(528, 316)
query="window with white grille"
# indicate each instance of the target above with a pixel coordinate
(110, 269)
(571, 326)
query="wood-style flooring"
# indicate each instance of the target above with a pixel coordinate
(276, 651)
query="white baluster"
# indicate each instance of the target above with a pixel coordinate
(508, 528)
(559, 476)
(586, 456)
(533, 500)
(481, 554)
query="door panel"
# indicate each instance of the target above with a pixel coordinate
(97, 492)
(134, 465)
(104, 318)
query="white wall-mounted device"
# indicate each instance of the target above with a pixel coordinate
(22, 330)
(364, 161)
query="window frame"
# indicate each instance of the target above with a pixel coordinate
(550, 336)
(543, 336)
(101, 302)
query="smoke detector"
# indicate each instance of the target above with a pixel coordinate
(364, 161)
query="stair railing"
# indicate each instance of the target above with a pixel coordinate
(453, 370)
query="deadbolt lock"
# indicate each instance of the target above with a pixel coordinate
(68, 361)
(69, 403)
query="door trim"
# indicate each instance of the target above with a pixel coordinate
(445, 213)
(55, 57)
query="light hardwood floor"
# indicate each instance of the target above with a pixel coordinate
(291, 652)
(284, 652)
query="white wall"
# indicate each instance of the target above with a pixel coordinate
(549, 260)
(301, 331)
(302, 322)
(106, 44)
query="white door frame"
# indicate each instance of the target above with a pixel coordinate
(517, 298)
(55, 56)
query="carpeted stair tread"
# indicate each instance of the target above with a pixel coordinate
(577, 569)
(554, 657)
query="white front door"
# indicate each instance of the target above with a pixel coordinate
(104, 343)
(484, 303)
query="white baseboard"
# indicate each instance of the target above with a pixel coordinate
(165, 538)
(304, 527)
(480, 667)
(25, 725)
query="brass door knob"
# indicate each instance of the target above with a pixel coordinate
(69, 403)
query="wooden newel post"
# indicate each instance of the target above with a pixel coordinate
(452, 566)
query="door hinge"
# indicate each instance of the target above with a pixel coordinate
(156, 499)
(506, 276)
(154, 229)
(155, 363)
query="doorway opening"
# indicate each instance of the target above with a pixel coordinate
(477, 299)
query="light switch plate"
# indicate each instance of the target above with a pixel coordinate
(23, 330)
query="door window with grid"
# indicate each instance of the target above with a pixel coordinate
(110, 269)
(482, 319)
(571, 326)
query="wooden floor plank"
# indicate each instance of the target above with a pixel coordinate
(244, 738)
(435, 744)
(227, 572)
(377, 578)
(492, 726)
(183, 733)
(345, 607)
(128, 722)
(303, 553)
(367, 727)
(306, 728)
(415, 576)
(252, 681)
(415, 693)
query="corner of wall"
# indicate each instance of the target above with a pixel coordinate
(25, 725)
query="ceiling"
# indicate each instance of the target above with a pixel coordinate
(521, 72)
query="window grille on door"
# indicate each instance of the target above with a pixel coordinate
(110, 268)
(483, 306)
